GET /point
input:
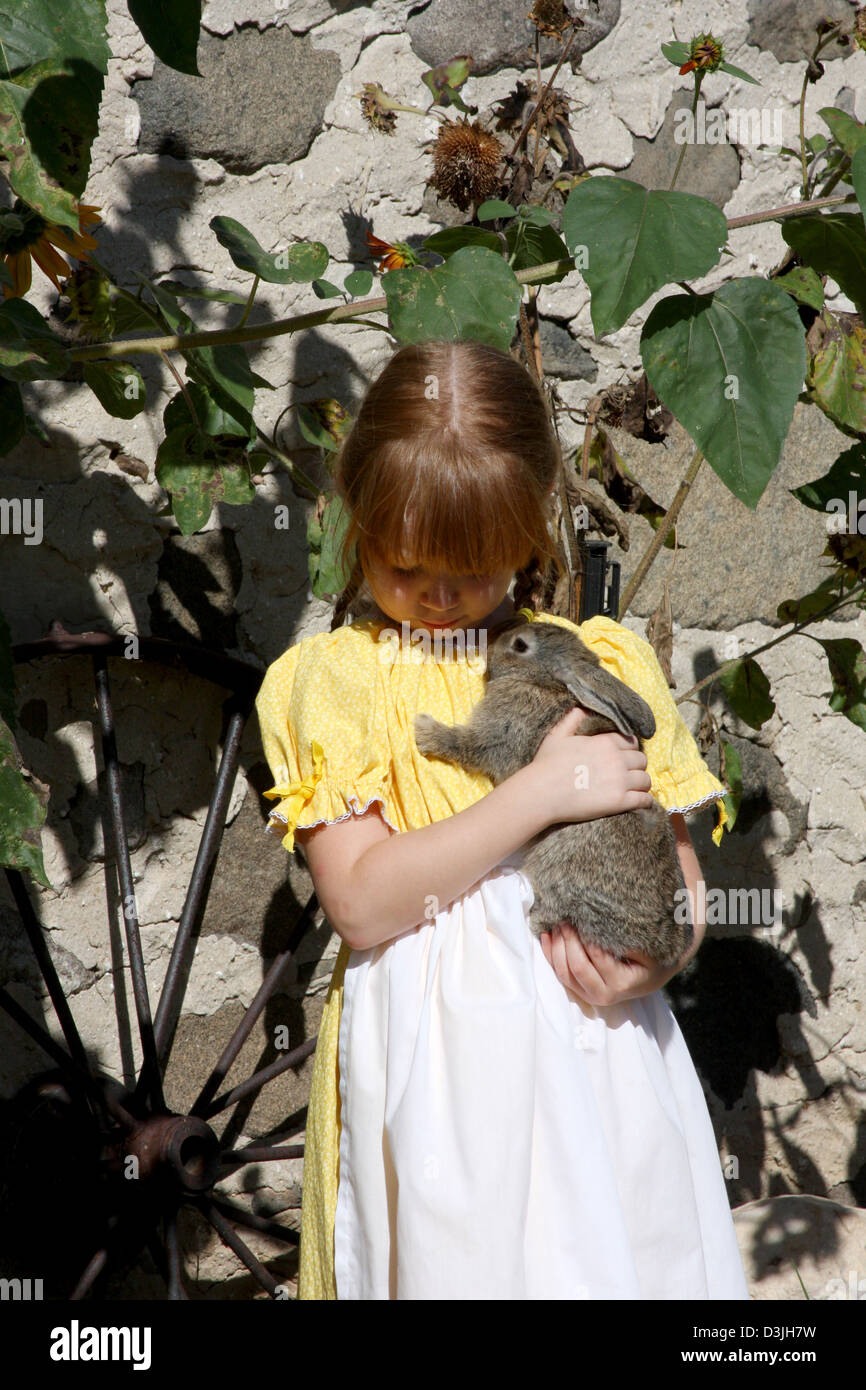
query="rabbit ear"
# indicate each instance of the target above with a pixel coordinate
(597, 690)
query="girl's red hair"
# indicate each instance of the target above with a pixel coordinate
(452, 454)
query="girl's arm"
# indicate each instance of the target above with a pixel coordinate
(596, 976)
(373, 885)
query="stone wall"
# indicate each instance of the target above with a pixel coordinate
(272, 134)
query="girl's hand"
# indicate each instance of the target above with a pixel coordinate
(596, 976)
(582, 777)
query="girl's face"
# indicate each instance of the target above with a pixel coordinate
(430, 598)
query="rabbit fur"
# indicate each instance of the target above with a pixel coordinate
(614, 878)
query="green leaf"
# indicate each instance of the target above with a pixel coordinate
(29, 351)
(738, 72)
(171, 27)
(23, 814)
(26, 174)
(324, 539)
(858, 178)
(198, 472)
(837, 371)
(533, 243)
(730, 366)
(33, 30)
(182, 291)
(634, 241)
(676, 53)
(848, 474)
(211, 418)
(325, 289)
(835, 246)
(748, 692)
(299, 263)
(313, 430)
(12, 423)
(223, 369)
(804, 284)
(118, 386)
(444, 80)
(847, 662)
(846, 131)
(60, 119)
(451, 239)
(473, 295)
(812, 605)
(358, 282)
(816, 143)
(494, 208)
(734, 779)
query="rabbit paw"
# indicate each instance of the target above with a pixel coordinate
(428, 733)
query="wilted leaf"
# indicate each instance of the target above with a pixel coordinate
(847, 662)
(747, 691)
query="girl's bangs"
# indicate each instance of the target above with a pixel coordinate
(471, 523)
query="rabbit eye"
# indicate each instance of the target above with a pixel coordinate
(519, 645)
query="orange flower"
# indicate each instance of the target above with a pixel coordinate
(390, 256)
(37, 241)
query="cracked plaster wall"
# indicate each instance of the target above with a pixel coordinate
(775, 1021)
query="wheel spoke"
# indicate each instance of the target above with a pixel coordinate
(248, 1022)
(176, 1289)
(259, 1079)
(176, 978)
(256, 1153)
(150, 1065)
(231, 1238)
(257, 1223)
(46, 965)
(92, 1271)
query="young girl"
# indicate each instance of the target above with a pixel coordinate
(491, 1116)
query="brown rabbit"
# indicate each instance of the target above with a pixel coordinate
(614, 878)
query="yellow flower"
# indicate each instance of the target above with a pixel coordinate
(40, 241)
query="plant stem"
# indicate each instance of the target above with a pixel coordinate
(342, 312)
(821, 44)
(249, 304)
(699, 77)
(665, 525)
(299, 479)
(537, 107)
(788, 210)
(182, 384)
(774, 642)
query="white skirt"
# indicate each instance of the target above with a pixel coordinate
(501, 1140)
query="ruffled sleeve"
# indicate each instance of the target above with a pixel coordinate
(325, 746)
(681, 780)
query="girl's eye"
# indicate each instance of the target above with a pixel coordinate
(404, 573)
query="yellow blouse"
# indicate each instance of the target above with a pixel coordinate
(336, 714)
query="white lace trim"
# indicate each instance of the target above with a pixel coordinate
(710, 796)
(357, 810)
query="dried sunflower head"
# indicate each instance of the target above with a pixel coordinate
(376, 108)
(859, 35)
(553, 18)
(466, 160)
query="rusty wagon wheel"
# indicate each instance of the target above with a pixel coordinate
(103, 1132)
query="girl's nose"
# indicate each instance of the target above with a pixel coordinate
(440, 593)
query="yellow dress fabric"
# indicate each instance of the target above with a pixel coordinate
(336, 715)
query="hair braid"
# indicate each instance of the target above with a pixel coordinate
(341, 607)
